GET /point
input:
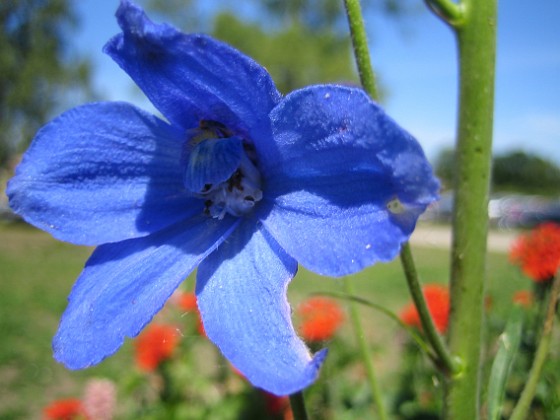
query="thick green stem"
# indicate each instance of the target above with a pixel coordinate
(524, 403)
(361, 49)
(477, 47)
(297, 403)
(444, 360)
(365, 353)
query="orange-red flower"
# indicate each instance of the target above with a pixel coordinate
(523, 298)
(321, 318)
(65, 409)
(187, 301)
(538, 252)
(437, 300)
(156, 344)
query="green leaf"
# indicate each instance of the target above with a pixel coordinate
(508, 346)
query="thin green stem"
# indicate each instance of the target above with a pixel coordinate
(365, 353)
(444, 360)
(477, 49)
(367, 77)
(524, 403)
(297, 403)
(361, 49)
(447, 10)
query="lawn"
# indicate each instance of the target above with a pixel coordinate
(37, 273)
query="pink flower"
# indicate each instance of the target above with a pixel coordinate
(99, 399)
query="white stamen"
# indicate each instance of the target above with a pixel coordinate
(236, 196)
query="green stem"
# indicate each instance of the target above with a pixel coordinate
(477, 47)
(298, 406)
(524, 403)
(364, 351)
(444, 360)
(361, 49)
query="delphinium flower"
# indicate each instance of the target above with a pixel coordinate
(320, 318)
(155, 345)
(238, 181)
(538, 252)
(65, 409)
(100, 399)
(437, 300)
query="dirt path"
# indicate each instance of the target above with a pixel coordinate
(440, 237)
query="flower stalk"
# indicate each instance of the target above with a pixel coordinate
(360, 46)
(523, 405)
(297, 403)
(477, 45)
(443, 359)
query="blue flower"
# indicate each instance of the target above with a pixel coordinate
(238, 181)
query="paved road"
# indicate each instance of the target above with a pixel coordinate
(440, 237)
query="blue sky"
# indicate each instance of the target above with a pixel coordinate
(416, 60)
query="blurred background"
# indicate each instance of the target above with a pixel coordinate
(51, 59)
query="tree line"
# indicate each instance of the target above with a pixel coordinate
(515, 171)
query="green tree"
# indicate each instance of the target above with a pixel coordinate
(514, 171)
(445, 166)
(295, 56)
(38, 73)
(526, 173)
(300, 42)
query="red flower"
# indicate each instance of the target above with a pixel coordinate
(321, 317)
(156, 344)
(538, 252)
(437, 300)
(523, 298)
(278, 406)
(187, 301)
(67, 409)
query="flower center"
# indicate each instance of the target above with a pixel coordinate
(221, 170)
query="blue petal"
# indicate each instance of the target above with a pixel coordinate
(211, 162)
(347, 185)
(190, 78)
(103, 172)
(125, 284)
(241, 289)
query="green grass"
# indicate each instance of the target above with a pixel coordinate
(37, 273)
